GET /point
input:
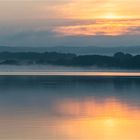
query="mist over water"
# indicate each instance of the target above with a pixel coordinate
(69, 107)
(55, 68)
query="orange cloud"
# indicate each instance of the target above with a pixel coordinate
(102, 27)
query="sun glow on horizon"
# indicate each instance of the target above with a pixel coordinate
(111, 16)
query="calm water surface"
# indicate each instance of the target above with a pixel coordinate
(69, 108)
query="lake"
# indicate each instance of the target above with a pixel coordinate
(69, 107)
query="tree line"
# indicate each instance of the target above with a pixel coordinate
(118, 60)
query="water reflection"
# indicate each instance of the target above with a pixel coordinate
(92, 108)
(69, 108)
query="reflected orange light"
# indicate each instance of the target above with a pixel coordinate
(110, 122)
(106, 109)
(104, 120)
(76, 119)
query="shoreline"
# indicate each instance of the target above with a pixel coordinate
(91, 74)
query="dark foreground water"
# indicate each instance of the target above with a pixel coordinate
(69, 108)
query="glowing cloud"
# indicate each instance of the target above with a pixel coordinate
(85, 18)
(111, 27)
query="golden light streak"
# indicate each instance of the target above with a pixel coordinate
(110, 26)
(111, 16)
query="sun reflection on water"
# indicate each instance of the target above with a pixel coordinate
(95, 110)
(105, 120)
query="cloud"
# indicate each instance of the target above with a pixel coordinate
(101, 27)
(50, 39)
(72, 32)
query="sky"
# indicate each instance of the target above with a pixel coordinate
(70, 22)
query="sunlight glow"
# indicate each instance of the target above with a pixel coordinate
(110, 122)
(107, 119)
(111, 16)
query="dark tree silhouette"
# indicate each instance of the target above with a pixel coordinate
(118, 60)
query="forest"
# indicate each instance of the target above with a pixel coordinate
(118, 60)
